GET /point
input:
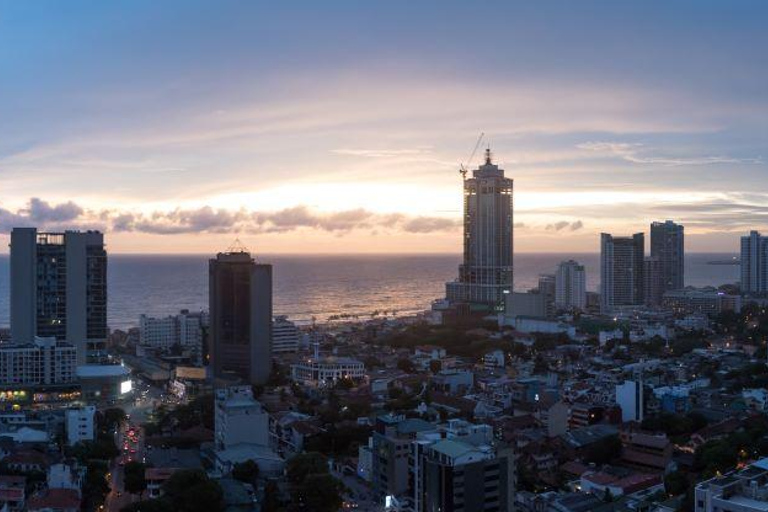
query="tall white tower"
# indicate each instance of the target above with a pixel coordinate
(486, 274)
(570, 286)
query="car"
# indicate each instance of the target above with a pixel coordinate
(133, 450)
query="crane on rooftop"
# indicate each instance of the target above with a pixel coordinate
(462, 168)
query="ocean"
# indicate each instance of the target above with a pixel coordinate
(326, 285)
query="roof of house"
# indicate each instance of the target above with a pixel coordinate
(55, 499)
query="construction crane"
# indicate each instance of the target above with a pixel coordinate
(463, 169)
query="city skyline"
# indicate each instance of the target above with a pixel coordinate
(179, 127)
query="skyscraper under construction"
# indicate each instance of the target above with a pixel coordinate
(486, 274)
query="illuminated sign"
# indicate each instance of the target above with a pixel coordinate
(125, 387)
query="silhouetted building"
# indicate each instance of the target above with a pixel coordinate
(621, 271)
(754, 263)
(653, 274)
(240, 302)
(668, 247)
(59, 289)
(486, 273)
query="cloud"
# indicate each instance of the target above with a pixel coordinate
(42, 211)
(206, 219)
(39, 212)
(561, 225)
(637, 153)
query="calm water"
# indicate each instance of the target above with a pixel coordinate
(321, 286)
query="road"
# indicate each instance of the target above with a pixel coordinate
(359, 493)
(132, 448)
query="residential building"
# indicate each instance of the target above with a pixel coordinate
(239, 418)
(629, 396)
(754, 263)
(547, 289)
(570, 286)
(653, 284)
(459, 466)
(525, 304)
(621, 271)
(645, 451)
(668, 247)
(741, 490)
(79, 424)
(391, 448)
(285, 335)
(486, 273)
(59, 289)
(185, 331)
(708, 302)
(41, 362)
(240, 299)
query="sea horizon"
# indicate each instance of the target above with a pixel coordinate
(322, 285)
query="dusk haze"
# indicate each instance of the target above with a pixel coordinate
(383, 256)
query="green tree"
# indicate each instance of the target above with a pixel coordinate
(193, 491)
(406, 365)
(435, 366)
(319, 493)
(135, 482)
(246, 471)
(305, 464)
(675, 483)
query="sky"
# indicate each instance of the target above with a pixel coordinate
(337, 127)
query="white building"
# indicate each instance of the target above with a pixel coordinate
(570, 286)
(239, 418)
(319, 371)
(285, 335)
(494, 359)
(79, 424)
(42, 362)
(629, 396)
(184, 330)
(742, 490)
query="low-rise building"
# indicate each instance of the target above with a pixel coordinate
(45, 362)
(744, 490)
(285, 335)
(79, 424)
(325, 371)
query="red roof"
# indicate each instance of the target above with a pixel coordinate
(55, 499)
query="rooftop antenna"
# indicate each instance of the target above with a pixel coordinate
(488, 155)
(237, 246)
(462, 168)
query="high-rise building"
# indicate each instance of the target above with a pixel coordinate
(486, 275)
(653, 274)
(754, 263)
(547, 289)
(570, 286)
(621, 271)
(668, 246)
(240, 302)
(59, 289)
